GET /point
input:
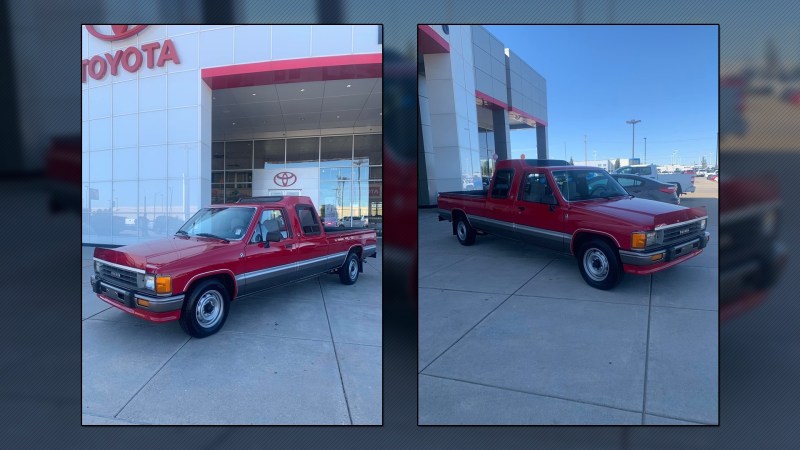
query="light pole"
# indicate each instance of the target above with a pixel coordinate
(585, 155)
(633, 123)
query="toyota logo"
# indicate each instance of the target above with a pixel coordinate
(120, 32)
(285, 179)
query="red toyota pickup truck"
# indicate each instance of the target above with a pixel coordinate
(582, 211)
(225, 252)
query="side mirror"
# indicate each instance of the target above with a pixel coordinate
(274, 236)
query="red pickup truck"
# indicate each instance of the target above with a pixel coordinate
(582, 211)
(225, 252)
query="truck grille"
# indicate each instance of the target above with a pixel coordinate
(675, 234)
(118, 276)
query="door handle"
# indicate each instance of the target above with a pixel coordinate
(289, 246)
(521, 208)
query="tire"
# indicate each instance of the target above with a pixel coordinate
(599, 265)
(464, 232)
(348, 273)
(206, 309)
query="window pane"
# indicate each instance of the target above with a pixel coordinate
(217, 194)
(218, 156)
(335, 195)
(370, 147)
(238, 155)
(340, 174)
(375, 211)
(272, 221)
(337, 150)
(502, 184)
(270, 154)
(308, 220)
(217, 177)
(232, 179)
(375, 173)
(235, 193)
(302, 152)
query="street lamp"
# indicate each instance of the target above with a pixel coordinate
(633, 123)
(645, 150)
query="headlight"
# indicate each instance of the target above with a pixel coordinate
(96, 267)
(643, 239)
(703, 224)
(770, 222)
(161, 284)
(150, 282)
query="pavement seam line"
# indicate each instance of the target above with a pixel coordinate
(98, 312)
(483, 318)
(151, 377)
(106, 417)
(647, 351)
(521, 391)
(335, 353)
(679, 418)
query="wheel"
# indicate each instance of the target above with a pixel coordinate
(348, 273)
(464, 232)
(599, 265)
(206, 309)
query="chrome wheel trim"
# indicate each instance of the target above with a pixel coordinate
(461, 229)
(208, 309)
(352, 269)
(595, 264)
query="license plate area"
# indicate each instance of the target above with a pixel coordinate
(681, 250)
(119, 295)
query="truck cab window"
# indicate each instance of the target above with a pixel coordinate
(536, 189)
(308, 220)
(272, 220)
(502, 183)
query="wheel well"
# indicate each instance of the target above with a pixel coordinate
(359, 251)
(457, 214)
(584, 237)
(223, 278)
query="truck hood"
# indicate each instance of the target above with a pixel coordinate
(152, 254)
(644, 213)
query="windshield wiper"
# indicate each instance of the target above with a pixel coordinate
(182, 232)
(213, 236)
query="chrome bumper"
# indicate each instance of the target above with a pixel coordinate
(128, 297)
(668, 254)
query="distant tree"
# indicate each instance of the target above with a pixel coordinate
(571, 163)
(703, 163)
(616, 164)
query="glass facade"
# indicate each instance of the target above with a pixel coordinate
(350, 172)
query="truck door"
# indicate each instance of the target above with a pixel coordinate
(539, 217)
(499, 205)
(269, 263)
(311, 250)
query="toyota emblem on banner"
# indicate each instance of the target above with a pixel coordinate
(120, 32)
(285, 179)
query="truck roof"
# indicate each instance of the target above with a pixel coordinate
(549, 163)
(280, 200)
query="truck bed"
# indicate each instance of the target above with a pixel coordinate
(474, 193)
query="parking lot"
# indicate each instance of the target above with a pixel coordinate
(511, 334)
(307, 353)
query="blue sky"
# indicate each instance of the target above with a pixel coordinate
(600, 76)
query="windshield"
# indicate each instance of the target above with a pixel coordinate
(225, 223)
(587, 184)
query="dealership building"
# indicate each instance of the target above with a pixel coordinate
(474, 93)
(176, 118)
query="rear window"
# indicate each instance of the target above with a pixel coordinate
(502, 183)
(308, 220)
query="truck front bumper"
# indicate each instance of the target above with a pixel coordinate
(147, 307)
(644, 263)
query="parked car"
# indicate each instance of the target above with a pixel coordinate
(714, 178)
(701, 173)
(684, 182)
(647, 188)
(712, 174)
(354, 221)
(689, 172)
(582, 211)
(225, 252)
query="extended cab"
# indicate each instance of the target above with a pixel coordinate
(225, 252)
(684, 182)
(582, 211)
